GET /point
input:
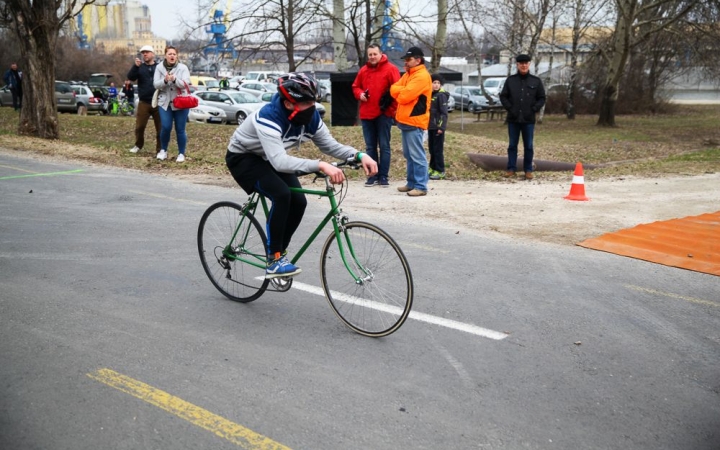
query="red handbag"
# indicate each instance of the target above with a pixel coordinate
(185, 101)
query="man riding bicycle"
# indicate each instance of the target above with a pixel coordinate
(258, 160)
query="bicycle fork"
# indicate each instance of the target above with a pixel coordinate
(342, 237)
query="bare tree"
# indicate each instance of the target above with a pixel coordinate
(636, 22)
(37, 25)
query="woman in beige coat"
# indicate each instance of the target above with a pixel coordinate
(171, 78)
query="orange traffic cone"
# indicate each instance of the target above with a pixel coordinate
(577, 189)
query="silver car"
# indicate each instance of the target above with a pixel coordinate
(86, 99)
(237, 105)
(257, 88)
(65, 97)
(205, 113)
(5, 96)
(471, 99)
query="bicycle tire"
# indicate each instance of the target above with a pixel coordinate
(380, 304)
(238, 281)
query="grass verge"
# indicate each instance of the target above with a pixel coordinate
(684, 143)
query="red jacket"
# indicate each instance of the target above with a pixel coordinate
(377, 79)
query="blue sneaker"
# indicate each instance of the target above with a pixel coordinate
(281, 267)
(384, 182)
(372, 181)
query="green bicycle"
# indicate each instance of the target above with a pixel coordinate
(364, 273)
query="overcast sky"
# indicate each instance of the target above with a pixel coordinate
(167, 14)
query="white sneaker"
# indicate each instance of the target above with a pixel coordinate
(135, 149)
(162, 155)
(180, 158)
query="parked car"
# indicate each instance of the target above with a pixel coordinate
(237, 105)
(493, 86)
(325, 90)
(471, 98)
(99, 79)
(85, 98)
(5, 96)
(560, 90)
(451, 103)
(207, 83)
(235, 81)
(206, 113)
(65, 97)
(257, 88)
(262, 76)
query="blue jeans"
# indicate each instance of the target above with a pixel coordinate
(167, 117)
(514, 131)
(377, 132)
(414, 153)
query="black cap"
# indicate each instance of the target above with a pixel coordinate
(522, 58)
(414, 52)
(438, 77)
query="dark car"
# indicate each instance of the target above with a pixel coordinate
(65, 97)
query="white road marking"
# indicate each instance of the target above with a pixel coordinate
(422, 317)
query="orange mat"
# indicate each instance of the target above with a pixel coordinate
(691, 243)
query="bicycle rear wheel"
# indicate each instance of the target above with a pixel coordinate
(379, 302)
(237, 280)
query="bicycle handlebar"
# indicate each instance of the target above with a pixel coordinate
(351, 163)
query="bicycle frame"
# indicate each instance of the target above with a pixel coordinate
(332, 216)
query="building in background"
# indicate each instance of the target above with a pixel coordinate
(116, 26)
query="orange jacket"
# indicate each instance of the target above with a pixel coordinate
(413, 92)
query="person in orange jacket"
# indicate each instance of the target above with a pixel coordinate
(413, 93)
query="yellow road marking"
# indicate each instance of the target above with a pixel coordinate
(33, 174)
(671, 295)
(237, 434)
(16, 168)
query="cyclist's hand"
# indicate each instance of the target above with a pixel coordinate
(369, 165)
(335, 174)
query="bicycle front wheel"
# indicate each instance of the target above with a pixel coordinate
(367, 279)
(223, 256)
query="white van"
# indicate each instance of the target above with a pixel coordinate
(493, 86)
(262, 75)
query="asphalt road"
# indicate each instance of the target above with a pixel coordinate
(112, 337)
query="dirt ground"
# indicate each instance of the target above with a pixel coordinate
(533, 210)
(537, 210)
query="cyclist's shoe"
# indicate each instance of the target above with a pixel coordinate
(372, 181)
(162, 155)
(281, 267)
(437, 176)
(384, 182)
(135, 149)
(180, 158)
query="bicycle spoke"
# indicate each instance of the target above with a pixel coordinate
(237, 280)
(378, 302)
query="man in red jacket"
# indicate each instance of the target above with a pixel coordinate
(377, 109)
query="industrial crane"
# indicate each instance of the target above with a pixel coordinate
(219, 44)
(388, 41)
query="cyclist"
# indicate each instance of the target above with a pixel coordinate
(258, 160)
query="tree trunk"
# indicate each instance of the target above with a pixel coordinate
(340, 55)
(440, 36)
(620, 50)
(37, 33)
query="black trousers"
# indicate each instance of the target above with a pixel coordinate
(254, 174)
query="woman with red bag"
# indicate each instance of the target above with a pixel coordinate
(171, 80)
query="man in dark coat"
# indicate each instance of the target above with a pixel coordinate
(13, 80)
(522, 96)
(144, 71)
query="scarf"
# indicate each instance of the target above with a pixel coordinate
(167, 65)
